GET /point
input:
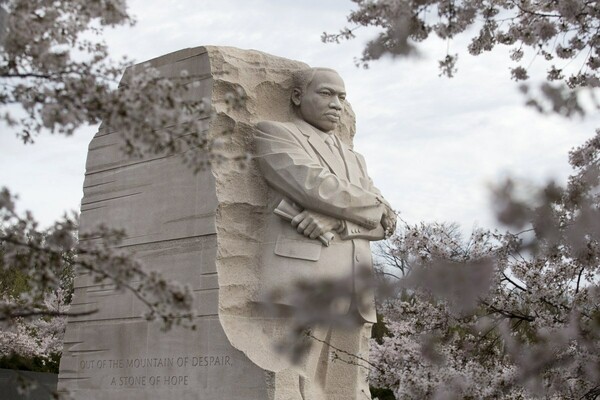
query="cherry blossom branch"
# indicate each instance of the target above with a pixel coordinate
(352, 355)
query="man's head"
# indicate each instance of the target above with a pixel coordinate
(319, 94)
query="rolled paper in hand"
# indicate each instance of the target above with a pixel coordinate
(288, 212)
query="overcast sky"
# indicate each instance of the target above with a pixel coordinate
(432, 145)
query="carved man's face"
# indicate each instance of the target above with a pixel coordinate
(321, 103)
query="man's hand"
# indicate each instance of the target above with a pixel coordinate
(388, 221)
(312, 224)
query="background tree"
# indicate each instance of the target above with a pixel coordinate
(55, 76)
(478, 319)
(503, 315)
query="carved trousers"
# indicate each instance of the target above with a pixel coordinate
(334, 366)
(332, 362)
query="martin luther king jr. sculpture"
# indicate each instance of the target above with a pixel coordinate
(231, 233)
(326, 212)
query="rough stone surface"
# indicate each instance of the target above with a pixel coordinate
(204, 229)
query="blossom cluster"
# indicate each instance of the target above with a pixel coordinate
(556, 31)
(56, 69)
(36, 337)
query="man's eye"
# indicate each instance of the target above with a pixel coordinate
(342, 98)
(325, 93)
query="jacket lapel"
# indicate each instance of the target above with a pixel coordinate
(334, 163)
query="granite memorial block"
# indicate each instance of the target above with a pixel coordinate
(232, 232)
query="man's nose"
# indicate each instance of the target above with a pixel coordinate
(335, 103)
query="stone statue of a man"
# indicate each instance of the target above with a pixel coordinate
(326, 211)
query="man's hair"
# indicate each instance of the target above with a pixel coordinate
(303, 77)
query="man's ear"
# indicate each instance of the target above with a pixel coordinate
(296, 96)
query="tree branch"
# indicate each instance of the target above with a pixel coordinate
(4, 316)
(509, 314)
(513, 282)
(26, 75)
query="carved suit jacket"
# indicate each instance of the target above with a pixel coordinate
(299, 166)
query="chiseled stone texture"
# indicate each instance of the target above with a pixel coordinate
(204, 230)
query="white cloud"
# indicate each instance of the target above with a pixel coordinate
(432, 144)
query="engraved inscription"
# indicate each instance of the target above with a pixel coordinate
(179, 368)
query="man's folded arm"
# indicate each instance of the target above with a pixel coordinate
(287, 167)
(388, 220)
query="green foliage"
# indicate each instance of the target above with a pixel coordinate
(14, 281)
(382, 394)
(34, 364)
(379, 330)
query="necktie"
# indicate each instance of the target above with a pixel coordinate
(336, 151)
(332, 146)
